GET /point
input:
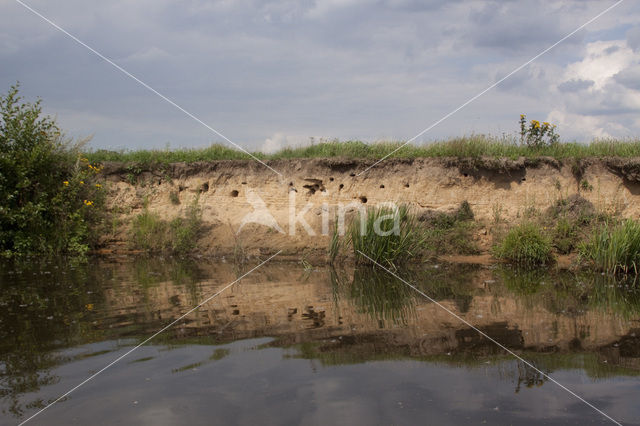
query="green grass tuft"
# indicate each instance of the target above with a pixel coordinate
(390, 250)
(614, 248)
(525, 244)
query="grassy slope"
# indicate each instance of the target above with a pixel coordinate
(471, 146)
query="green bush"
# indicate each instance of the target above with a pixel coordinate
(50, 200)
(614, 248)
(525, 244)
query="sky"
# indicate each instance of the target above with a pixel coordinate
(271, 74)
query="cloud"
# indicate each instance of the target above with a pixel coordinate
(346, 69)
(601, 62)
(633, 38)
(599, 93)
(281, 140)
(575, 85)
(629, 77)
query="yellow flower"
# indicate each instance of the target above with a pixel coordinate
(521, 115)
(81, 182)
(89, 306)
(65, 183)
(88, 203)
(98, 186)
(546, 124)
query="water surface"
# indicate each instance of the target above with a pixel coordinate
(288, 345)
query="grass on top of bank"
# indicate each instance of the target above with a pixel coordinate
(473, 146)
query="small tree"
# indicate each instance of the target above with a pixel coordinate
(47, 194)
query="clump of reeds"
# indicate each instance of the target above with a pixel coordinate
(385, 235)
(614, 248)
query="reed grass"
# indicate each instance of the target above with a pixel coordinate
(614, 248)
(374, 236)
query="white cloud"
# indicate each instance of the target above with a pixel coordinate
(603, 59)
(597, 95)
(281, 140)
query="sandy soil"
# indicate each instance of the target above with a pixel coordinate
(317, 190)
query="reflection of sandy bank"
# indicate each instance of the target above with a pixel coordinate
(283, 301)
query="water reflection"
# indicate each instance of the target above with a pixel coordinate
(568, 293)
(383, 297)
(57, 314)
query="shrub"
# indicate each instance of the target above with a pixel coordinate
(614, 248)
(525, 244)
(537, 135)
(50, 198)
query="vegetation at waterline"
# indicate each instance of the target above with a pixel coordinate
(570, 225)
(614, 247)
(51, 198)
(152, 234)
(391, 236)
(525, 244)
(385, 235)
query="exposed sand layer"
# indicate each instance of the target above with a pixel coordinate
(315, 190)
